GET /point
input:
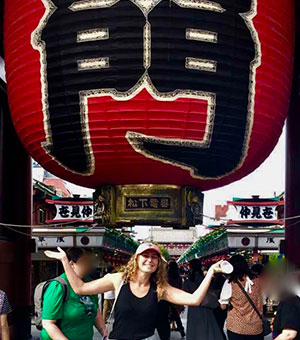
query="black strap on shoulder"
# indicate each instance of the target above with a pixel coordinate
(250, 300)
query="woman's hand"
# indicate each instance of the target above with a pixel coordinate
(60, 255)
(287, 334)
(216, 268)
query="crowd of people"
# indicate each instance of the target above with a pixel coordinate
(150, 294)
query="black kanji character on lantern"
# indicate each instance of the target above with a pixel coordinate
(42, 239)
(77, 62)
(270, 240)
(75, 211)
(245, 212)
(268, 213)
(64, 211)
(60, 240)
(87, 211)
(256, 213)
(231, 50)
(103, 48)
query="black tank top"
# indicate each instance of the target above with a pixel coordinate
(135, 318)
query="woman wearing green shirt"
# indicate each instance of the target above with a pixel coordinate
(73, 319)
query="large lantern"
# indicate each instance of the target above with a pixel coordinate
(186, 92)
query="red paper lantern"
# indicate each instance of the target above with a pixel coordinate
(179, 92)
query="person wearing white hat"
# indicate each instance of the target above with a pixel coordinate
(140, 286)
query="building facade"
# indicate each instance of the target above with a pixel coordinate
(176, 241)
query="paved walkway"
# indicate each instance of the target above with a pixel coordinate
(174, 335)
(35, 335)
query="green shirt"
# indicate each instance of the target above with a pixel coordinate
(76, 316)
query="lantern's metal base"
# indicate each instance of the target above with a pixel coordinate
(148, 204)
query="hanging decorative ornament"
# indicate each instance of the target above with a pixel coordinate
(185, 92)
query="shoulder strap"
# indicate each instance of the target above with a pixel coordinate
(250, 300)
(116, 298)
(65, 286)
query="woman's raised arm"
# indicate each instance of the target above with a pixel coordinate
(107, 283)
(180, 297)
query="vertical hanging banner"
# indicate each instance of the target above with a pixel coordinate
(185, 92)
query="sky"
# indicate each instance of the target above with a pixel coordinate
(267, 180)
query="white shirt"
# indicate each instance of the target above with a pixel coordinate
(109, 295)
(226, 292)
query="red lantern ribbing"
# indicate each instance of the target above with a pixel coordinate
(180, 92)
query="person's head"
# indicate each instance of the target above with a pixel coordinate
(110, 269)
(173, 271)
(240, 269)
(257, 269)
(81, 260)
(147, 260)
(195, 269)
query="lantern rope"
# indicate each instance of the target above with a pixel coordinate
(10, 227)
(43, 225)
(17, 231)
(228, 219)
(59, 225)
(65, 225)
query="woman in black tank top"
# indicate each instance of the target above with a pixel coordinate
(140, 286)
(135, 318)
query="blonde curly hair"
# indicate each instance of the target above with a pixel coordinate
(159, 277)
